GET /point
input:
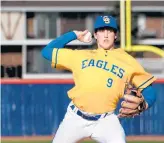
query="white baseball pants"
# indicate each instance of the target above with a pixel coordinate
(74, 128)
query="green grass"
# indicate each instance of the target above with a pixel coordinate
(82, 142)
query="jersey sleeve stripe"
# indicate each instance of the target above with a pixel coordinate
(145, 82)
(54, 57)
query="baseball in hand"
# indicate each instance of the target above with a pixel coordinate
(88, 37)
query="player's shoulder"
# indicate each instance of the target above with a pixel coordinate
(128, 57)
(78, 52)
(82, 50)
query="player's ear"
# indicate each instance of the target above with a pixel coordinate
(95, 35)
(115, 37)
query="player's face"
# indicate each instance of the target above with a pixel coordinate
(105, 38)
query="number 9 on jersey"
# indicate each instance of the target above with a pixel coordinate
(109, 82)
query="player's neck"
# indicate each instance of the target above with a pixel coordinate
(109, 48)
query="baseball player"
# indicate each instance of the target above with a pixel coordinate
(101, 77)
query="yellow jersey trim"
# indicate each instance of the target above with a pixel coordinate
(145, 82)
(54, 57)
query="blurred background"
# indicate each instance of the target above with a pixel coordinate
(34, 96)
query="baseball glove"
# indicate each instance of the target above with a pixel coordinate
(133, 103)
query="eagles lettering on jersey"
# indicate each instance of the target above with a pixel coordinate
(116, 70)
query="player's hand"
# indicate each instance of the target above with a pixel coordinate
(133, 103)
(83, 36)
